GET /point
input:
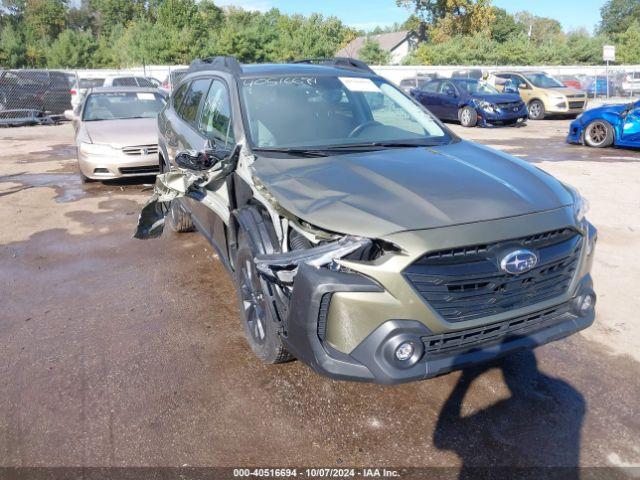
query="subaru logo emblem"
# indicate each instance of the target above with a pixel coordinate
(518, 261)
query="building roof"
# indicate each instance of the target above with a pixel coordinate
(388, 42)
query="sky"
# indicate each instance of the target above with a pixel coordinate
(366, 14)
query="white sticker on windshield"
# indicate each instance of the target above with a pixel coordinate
(359, 84)
(145, 96)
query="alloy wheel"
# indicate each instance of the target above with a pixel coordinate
(597, 133)
(253, 301)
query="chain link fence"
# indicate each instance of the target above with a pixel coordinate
(29, 97)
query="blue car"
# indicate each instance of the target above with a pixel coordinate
(598, 87)
(608, 125)
(471, 102)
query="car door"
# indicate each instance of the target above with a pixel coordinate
(449, 101)
(427, 94)
(215, 124)
(631, 127)
(525, 91)
(186, 136)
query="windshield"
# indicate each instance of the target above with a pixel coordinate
(475, 87)
(322, 111)
(122, 105)
(542, 80)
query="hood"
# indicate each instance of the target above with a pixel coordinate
(564, 91)
(497, 97)
(373, 194)
(123, 133)
(611, 108)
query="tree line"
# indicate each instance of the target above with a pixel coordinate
(121, 33)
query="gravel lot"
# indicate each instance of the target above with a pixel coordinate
(120, 352)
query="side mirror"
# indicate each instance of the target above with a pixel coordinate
(202, 161)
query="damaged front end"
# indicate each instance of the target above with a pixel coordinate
(283, 267)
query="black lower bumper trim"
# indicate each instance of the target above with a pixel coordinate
(373, 359)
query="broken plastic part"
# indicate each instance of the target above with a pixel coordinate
(282, 267)
(175, 184)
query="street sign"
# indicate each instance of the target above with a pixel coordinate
(609, 53)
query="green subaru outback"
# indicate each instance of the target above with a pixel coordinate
(365, 238)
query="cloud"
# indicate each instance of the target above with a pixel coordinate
(252, 5)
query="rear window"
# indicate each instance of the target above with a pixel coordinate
(91, 82)
(124, 82)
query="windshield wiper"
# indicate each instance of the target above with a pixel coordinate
(380, 145)
(303, 152)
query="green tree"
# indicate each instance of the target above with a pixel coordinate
(12, 47)
(72, 49)
(109, 13)
(618, 15)
(177, 14)
(45, 19)
(372, 54)
(504, 26)
(628, 43)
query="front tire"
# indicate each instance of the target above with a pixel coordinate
(468, 117)
(536, 110)
(598, 134)
(260, 327)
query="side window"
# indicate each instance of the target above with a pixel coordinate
(215, 121)
(189, 108)
(447, 88)
(430, 86)
(143, 82)
(179, 95)
(59, 80)
(124, 82)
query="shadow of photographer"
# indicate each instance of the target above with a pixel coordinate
(537, 427)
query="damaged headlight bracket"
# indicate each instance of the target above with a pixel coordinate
(283, 267)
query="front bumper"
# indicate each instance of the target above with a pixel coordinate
(373, 359)
(576, 133)
(502, 116)
(553, 107)
(347, 324)
(118, 165)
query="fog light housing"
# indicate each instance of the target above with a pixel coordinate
(404, 351)
(584, 303)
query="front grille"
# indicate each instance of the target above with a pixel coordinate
(510, 106)
(576, 104)
(140, 150)
(464, 340)
(467, 283)
(149, 169)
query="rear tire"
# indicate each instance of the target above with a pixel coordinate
(598, 134)
(468, 117)
(260, 327)
(536, 110)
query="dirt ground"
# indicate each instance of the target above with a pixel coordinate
(121, 352)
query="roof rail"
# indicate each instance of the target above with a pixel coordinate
(227, 64)
(339, 62)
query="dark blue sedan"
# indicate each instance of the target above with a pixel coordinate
(608, 125)
(471, 102)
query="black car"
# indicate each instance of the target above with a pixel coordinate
(38, 90)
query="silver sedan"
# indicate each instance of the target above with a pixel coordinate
(116, 133)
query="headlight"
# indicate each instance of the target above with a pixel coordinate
(484, 105)
(95, 149)
(580, 204)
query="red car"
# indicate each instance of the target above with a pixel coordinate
(570, 81)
